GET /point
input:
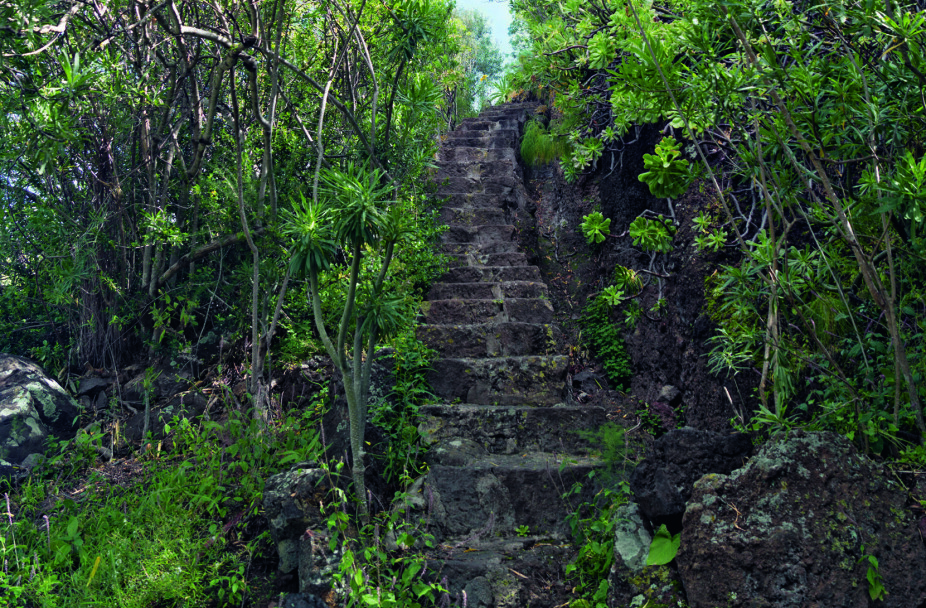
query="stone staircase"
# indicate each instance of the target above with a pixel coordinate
(503, 442)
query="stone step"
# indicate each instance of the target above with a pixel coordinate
(480, 248)
(479, 235)
(468, 185)
(473, 216)
(490, 570)
(481, 260)
(514, 429)
(491, 274)
(473, 169)
(488, 291)
(496, 138)
(499, 493)
(526, 380)
(473, 312)
(469, 200)
(466, 153)
(492, 340)
(484, 124)
(447, 185)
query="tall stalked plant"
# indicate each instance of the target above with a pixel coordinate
(351, 219)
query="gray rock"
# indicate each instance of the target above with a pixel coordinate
(631, 538)
(102, 401)
(301, 600)
(479, 593)
(292, 502)
(32, 461)
(90, 386)
(168, 381)
(670, 394)
(317, 564)
(794, 528)
(662, 483)
(32, 407)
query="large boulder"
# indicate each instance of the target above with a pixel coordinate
(662, 482)
(795, 526)
(33, 406)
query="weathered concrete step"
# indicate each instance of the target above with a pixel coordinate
(479, 235)
(488, 291)
(481, 260)
(468, 153)
(492, 340)
(470, 200)
(474, 312)
(528, 380)
(463, 216)
(502, 492)
(515, 429)
(480, 248)
(491, 274)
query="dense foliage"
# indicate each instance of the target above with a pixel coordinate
(807, 123)
(149, 152)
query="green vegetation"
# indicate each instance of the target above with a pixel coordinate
(595, 227)
(538, 147)
(396, 414)
(178, 530)
(374, 575)
(604, 338)
(807, 123)
(652, 235)
(664, 548)
(666, 174)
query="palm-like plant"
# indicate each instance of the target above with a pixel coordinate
(353, 215)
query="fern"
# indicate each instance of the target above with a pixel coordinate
(606, 342)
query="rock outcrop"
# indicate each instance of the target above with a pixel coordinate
(33, 406)
(292, 504)
(662, 482)
(795, 527)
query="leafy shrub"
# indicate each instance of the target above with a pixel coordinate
(171, 536)
(653, 235)
(397, 415)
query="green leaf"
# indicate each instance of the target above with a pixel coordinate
(664, 547)
(595, 227)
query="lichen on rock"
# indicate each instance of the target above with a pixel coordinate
(794, 528)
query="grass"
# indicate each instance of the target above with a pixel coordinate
(175, 527)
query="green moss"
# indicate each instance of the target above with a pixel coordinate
(658, 587)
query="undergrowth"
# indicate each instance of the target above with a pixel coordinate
(176, 533)
(397, 414)
(593, 523)
(606, 342)
(539, 146)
